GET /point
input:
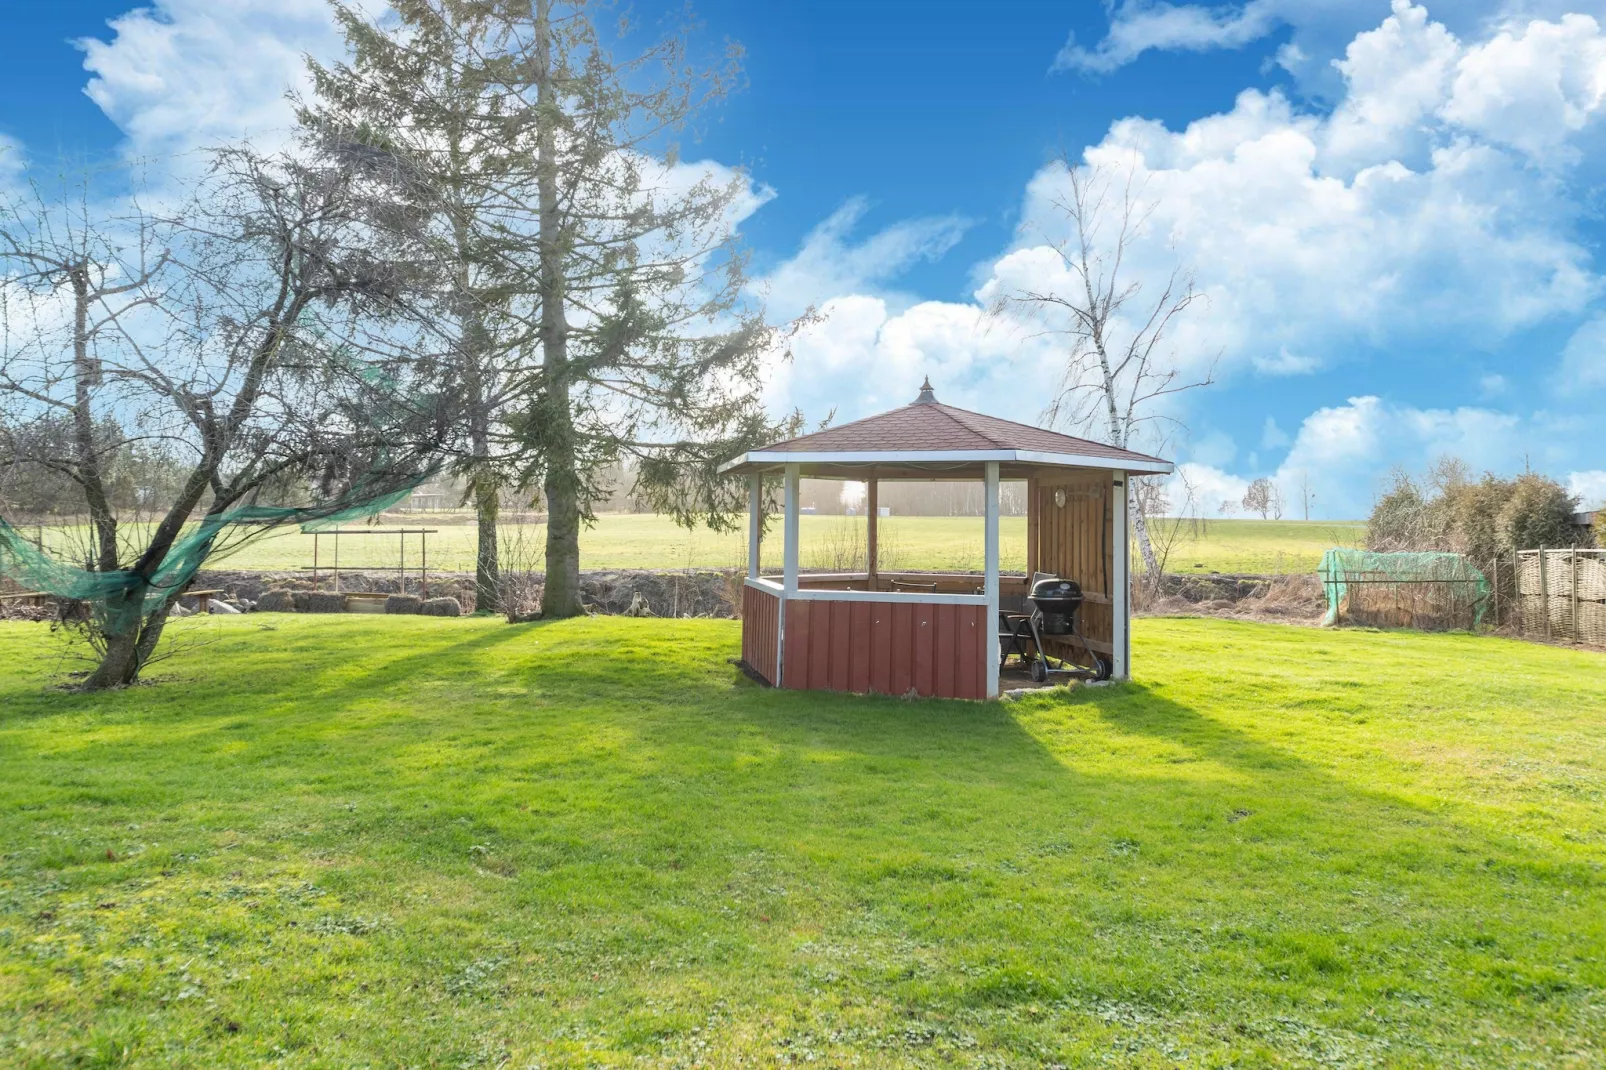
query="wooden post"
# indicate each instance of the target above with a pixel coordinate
(1032, 538)
(990, 557)
(401, 561)
(789, 549)
(1121, 585)
(423, 561)
(755, 529)
(1497, 592)
(1516, 589)
(315, 560)
(872, 550)
(337, 561)
(789, 537)
(1575, 593)
(1544, 589)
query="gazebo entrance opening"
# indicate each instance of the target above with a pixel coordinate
(937, 633)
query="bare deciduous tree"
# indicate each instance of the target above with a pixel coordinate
(248, 333)
(1306, 494)
(1263, 497)
(1119, 363)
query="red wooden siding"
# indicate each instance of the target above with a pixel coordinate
(761, 619)
(889, 647)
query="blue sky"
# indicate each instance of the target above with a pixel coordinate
(1393, 209)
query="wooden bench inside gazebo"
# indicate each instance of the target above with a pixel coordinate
(937, 634)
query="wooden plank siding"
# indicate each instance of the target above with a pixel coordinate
(761, 621)
(1073, 542)
(887, 647)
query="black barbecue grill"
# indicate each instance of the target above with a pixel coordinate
(1054, 605)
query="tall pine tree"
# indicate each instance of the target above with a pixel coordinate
(587, 246)
(427, 93)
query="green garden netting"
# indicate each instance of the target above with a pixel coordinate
(127, 592)
(1431, 590)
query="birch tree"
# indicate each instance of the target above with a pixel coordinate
(1116, 324)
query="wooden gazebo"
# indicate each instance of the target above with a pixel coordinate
(937, 634)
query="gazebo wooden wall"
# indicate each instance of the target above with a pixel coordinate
(891, 648)
(1076, 541)
(761, 631)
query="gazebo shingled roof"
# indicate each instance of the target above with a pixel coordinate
(941, 433)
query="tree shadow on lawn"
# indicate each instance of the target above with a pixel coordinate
(1190, 785)
(700, 746)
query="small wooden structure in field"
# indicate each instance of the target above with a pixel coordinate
(931, 634)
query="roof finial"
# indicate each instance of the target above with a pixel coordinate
(927, 395)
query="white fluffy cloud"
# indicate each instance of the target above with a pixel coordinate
(1583, 361)
(1384, 223)
(1319, 28)
(865, 356)
(191, 73)
(1137, 27)
(1412, 210)
(1532, 86)
(830, 264)
(1590, 487)
(1343, 453)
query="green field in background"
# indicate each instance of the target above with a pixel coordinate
(629, 540)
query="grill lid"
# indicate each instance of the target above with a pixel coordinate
(1056, 592)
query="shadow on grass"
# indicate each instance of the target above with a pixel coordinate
(640, 731)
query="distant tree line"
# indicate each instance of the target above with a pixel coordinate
(139, 475)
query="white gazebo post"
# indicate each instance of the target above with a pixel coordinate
(872, 550)
(755, 527)
(991, 589)
(1121, 596)
(789, 575)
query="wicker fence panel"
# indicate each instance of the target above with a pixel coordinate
(1561, 595)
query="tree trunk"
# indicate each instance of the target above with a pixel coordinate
(85, 376)
(487, 567)
(561, 595)
(1140, 529)
(119, 664)
(1120, 435)
(130, 643)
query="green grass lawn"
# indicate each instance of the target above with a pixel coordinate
(339, 841)
(624, 540)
